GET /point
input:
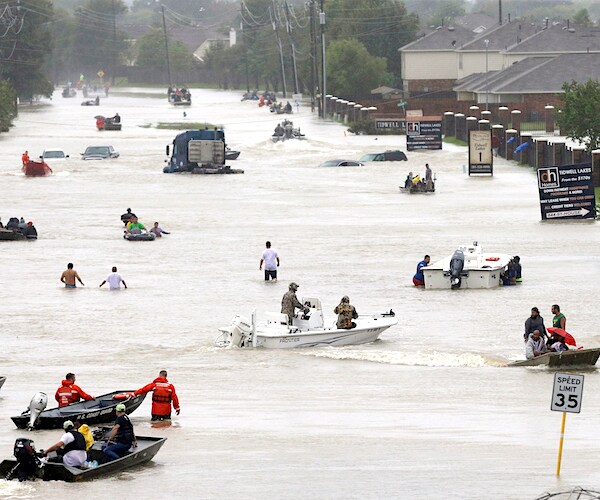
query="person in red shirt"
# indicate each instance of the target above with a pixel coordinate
(163, 395)
(69, 393)
(25, 158)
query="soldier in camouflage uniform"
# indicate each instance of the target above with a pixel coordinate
(346, 313)
(290, 302)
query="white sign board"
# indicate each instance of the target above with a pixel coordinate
(480, 152)
(567, 393)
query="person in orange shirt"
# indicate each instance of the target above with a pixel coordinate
(25, 158)
(69, 393)
(163, 395)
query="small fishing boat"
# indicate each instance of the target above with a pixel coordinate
(179, 97)
(565, 359)
(69, 92)
(100, 410)
(307, 330)
(231, 154)
(2, 380)
(36, 168)
(147, 447)
(417, 189)
(467, 267)
(285, 131)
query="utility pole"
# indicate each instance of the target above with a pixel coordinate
(323, 63)
(292, 46)
(166, 46)
(245, 40)
(114, 51)
(313, 53)
(273, 21)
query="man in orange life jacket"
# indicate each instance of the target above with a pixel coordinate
(69, 393)
(163, 394)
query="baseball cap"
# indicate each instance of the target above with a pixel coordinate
(67, 424)
(120, 407)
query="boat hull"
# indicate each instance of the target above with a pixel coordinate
(572, 358)
(98, 411)
(2, 380)
(9, 235)
(476, 278)
(36, 169)
(147, 448)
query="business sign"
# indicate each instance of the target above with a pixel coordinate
(423, 134)
(390, 124)
(480, 152)
(414, 112)
(566, 192)
(567, 393)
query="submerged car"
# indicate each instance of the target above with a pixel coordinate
(389, 155)
(99, 153)
(341, 163)
(54, 155)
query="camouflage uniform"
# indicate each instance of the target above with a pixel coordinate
(289, 304)
(346, 313)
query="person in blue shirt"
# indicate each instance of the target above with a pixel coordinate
(419, 277)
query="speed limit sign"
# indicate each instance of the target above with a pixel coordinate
(567, 393)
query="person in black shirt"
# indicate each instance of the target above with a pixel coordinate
(121, 436)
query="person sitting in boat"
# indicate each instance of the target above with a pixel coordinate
(534, 322)
(288, 107)
(29, 230)
(419, 277)
(13, 224)
(69, 393)
(135, 227)
(346, 313)
(289, 302)
(22, 224)
(409, 180)
(115, 119)
(279, 130)
(71, 449)
(535, 345)
(158, 231)
(97, 100)
(121, 437)
(558, 344)
(127, 216)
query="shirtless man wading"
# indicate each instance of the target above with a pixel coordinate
(69, 276)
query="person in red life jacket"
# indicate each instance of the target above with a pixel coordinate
(163, 394)
(69, 393)
(100, 123)
(25, 158)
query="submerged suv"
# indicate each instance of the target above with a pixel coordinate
(389, 155)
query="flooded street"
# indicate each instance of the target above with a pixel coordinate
(428, 411)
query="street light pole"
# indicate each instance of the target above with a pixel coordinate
(487, 42)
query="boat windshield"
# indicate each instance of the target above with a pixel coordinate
(97, 150)
(54, 154)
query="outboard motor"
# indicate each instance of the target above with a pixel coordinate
(457, 263)
(28, 464)
(240, 331)
(36, 406)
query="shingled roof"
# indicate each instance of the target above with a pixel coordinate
(443, 38)
(560, 39)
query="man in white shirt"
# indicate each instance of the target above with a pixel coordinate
(114, 280)
(73, 446)
(271, 262)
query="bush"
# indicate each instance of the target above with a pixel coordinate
(367, 127)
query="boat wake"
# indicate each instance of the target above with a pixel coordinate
(412, 358)
(13, 489)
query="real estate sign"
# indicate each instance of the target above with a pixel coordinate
(480, 152)
(566, 192)
(423, 133)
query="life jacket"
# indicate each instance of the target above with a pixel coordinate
(86, 432)
(162, 393)
(78, 444)
(68, 393)
(125, 433)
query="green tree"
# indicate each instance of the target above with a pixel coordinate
(352, 70)
(151, 52)
(8, 110)
(446, 11)
(382, 26)
(582, 18)
(580, 116)
(24, 45)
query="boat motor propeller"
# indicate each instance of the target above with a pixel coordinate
(36, 406)
(457, 263)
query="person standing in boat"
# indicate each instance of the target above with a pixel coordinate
(71, 447)
(346, 313)
(428, 177)
(559, 320)
(271, 262)
(69, 276)
(289, 302)
(25, 158)
(535, 345)
(534, 322)
(419, 277)
(69, 393)
(121, 437)
(163, 394)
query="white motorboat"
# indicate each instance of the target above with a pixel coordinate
(307, 330)
(467, 267)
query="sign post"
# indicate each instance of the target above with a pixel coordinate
(480, 152)
(567, 192)
(566, 397)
